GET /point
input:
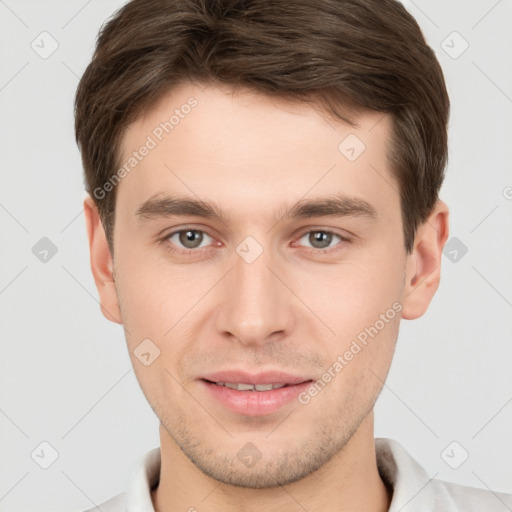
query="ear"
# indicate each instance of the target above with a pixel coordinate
(423, 269)
(101, 263)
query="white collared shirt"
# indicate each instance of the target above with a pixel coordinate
(413, 490)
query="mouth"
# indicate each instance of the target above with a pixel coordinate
(253, 394)
(249, 387)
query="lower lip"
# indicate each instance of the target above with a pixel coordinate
(254, 403)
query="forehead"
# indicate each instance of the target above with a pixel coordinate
(245, 150)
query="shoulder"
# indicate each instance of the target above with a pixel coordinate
(115, 504)
(137, 496)
(458, 497)
(413, 489)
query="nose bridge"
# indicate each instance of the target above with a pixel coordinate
(256, 305)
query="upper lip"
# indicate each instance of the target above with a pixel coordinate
(266, 377)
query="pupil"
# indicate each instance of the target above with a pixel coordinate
(320, 239)
(191, 239)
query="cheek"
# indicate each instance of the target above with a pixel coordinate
(153, 295)
(351, 297)
(361, 304)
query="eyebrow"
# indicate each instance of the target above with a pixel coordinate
(167, 206)
(335, 206)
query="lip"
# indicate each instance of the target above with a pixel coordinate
(254, 403)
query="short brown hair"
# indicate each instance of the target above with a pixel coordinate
(368, 53)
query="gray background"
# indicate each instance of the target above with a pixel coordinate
(66, 378)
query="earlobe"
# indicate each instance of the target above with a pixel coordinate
(423, 267)
(101, 263)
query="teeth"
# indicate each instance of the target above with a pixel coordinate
(244, 387)
(250, 387)
(263, 387)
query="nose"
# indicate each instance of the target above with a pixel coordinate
(258, 307)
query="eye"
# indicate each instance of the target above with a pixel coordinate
(189, 239)
(320, 239)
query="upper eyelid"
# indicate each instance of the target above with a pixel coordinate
(164, 235)
(323, 230)
(302, 233)
(296, 237)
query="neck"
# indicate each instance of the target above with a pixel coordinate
(349, 481)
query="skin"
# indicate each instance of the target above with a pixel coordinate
(293, 309)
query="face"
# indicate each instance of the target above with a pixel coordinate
(258, 242)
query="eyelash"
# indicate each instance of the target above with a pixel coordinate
(328, 250)
(171, 247)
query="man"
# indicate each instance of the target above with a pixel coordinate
(263, 210)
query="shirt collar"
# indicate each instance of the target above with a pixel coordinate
(144, 478)
(408, 481)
